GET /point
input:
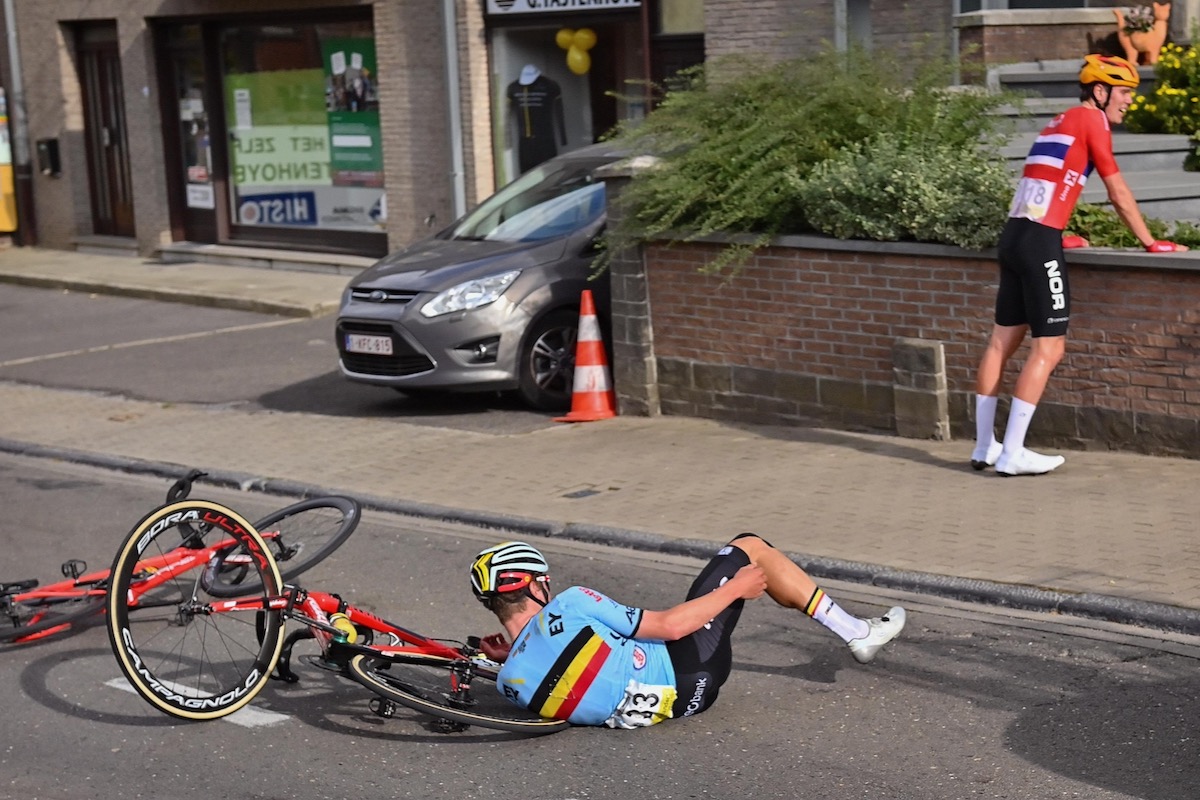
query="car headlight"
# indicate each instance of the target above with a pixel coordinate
(470, 294)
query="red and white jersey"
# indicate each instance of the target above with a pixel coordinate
(1059, 163)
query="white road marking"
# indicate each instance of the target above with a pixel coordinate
(180, 337)
(247, 716)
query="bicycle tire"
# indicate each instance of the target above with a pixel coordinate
(178, 648)
(43, 617)
(423, 683)
(308, 533)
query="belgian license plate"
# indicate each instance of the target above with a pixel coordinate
(375, 345)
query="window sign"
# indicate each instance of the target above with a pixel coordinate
(305, 148)
(499, 7)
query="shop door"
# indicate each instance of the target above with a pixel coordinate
(193, 177)
(105, 132)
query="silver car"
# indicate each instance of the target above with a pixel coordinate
(492, 302)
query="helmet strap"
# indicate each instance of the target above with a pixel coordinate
(1107, 99)
(529, 592)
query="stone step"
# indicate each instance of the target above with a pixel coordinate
(264, 258)
(106, 245)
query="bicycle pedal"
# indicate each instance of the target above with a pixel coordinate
(382, 707)
(73, 568)
(441, 725)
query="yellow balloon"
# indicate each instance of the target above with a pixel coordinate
(564, 37)
(578, 61)
(584, 39)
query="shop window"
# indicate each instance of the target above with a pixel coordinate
(303, 122)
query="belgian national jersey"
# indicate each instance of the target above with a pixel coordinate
(576, 660)
(1057, 167)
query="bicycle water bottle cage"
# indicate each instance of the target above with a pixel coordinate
(73, 568)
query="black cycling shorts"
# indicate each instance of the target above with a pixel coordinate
(1034, 290)
(704, 659)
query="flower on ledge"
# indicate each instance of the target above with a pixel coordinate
(1139, 19)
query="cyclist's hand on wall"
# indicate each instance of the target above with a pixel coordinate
(495, 646)
(1161, 246)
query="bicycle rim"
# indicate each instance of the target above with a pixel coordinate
(308, 531)
(181, 651)
(33, 620)
(426, 684)
(300, 536)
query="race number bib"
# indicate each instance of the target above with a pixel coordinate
(1032, 199)
(643, 705)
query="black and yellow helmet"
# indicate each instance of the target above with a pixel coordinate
(507, 567)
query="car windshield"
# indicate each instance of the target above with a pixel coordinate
(548, 201)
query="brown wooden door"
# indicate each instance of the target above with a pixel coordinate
(105, 131)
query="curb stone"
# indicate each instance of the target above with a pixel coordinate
(1027, 598)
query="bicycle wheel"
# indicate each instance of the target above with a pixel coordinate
(308, 531)
(432, 685)
(300, 536)
(23, 621)
(186, 652)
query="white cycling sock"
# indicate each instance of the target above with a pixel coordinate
(1019, 417)
(985, 425)
(822, 608)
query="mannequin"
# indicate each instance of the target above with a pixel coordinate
(536, 105)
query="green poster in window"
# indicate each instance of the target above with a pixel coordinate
(356, 153)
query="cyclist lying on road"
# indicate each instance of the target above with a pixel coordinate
(587, 659)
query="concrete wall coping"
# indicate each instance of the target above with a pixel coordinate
(1035, 16)
(1092, 256)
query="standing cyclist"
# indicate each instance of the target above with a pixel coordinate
(587, 659)
(1034, 294)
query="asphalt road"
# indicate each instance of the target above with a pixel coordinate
(179, 353)
(970, 702)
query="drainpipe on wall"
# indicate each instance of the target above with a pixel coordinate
(454, 98)
(26, 230)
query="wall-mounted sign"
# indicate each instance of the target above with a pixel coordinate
(500, 7)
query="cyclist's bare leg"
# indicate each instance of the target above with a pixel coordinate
(1044, 355)
(1045, 352)
(1004, 342)
(791, 587)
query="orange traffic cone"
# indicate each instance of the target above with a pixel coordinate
(592, 395)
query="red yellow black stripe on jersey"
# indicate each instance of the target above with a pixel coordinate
(564, 686)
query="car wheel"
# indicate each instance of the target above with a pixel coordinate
(547, 361)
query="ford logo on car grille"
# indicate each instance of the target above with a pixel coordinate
(377, 296)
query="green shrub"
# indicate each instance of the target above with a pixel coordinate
(1102, 227)
(887, 189)
(737, 152)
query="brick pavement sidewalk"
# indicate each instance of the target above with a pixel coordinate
(1109, 534)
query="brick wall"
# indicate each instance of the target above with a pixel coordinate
(765, 29)
(923, 26)
(994, 38)
(806, 332)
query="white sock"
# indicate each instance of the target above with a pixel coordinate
(1019, 417)
(985, 425)
(822, 608)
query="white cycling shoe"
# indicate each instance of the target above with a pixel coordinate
(1027, 462)
(882, 630)
(981, 461)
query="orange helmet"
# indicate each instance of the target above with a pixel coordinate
(1113, 70)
